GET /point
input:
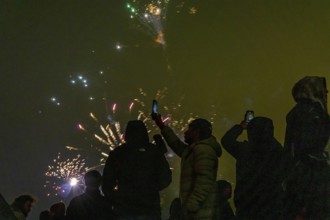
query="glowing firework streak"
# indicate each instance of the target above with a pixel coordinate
(93, 117)
(70, 148)
(114, 108)
(131, 106)
(81, 127)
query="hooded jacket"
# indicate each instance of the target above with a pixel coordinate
(134, 173)
(199, 167)
(306, 138)
(133, 178)
(258, 174)
(308, 123)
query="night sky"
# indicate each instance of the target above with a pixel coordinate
(221, 57)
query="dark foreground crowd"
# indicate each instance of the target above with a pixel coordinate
(289, 182)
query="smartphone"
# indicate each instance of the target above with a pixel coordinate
(249, 115)
(154, 107)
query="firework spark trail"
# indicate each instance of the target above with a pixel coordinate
(93, 117)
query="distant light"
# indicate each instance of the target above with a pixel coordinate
(53, 99)
(91, 98)
(157, 11)
(101, 72)
(192, 10)
(80, 77)
(73, 181)
(73, 81)
(118, 47)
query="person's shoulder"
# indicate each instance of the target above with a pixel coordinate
(77, 199)
(305, 110)
(119, 149)
(203, 146)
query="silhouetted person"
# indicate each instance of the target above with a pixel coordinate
(134, 174)
(58, 211)
(199, 166)
(45, 215)
(307, 134)
(22, 206)
(225, 192)
(258, 176)
(175, 209)
(90, 205)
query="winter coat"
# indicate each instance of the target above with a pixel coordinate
(257, 193)
(89, 205)
(307, 130)
(199, 167)
(307, 183)
(133, 177)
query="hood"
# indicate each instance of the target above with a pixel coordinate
(212, 141)
(136, 133)
(260, 130)
(312, 88)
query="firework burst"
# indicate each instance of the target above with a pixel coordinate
(64, 175)
(152, 15)
(108, 137)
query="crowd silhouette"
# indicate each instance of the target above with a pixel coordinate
(273, 182)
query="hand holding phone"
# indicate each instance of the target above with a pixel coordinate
(156, 116)
(154, 109)
(249, 115)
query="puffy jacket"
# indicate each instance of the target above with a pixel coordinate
(199, 166)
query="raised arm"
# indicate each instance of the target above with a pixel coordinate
(173, 141)
(229, 140)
